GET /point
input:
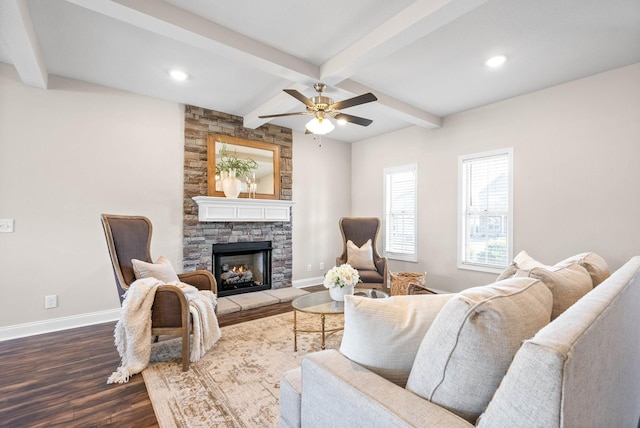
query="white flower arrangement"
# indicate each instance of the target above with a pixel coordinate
(341, 276)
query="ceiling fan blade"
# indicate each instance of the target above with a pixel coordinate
(297, 95)
(354, 119)
(360, 99)
(284, 114)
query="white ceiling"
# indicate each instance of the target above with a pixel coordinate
(423, 59)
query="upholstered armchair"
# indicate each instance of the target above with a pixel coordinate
(129, 237)
(359, 236)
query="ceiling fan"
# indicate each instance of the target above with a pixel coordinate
(322, 108)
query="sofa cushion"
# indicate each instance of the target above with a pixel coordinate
(360, 257)
(384, 335)
(162, 270)
(522, 261)
(567, 284)
(472, 341)
(594, 264)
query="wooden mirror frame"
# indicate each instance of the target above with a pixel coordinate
(234, 141)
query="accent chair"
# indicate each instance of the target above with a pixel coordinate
(361, 254)
(129, 237)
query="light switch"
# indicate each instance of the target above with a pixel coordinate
(6, 225)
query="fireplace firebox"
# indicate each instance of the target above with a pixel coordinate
(242, 267)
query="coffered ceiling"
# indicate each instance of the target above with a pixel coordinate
(423, 59)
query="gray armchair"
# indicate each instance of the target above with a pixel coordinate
(359, 230)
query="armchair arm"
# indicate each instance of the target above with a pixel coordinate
(337, 392)
(170, 309)
(201, 279)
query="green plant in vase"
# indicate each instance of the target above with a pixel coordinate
(229, 168)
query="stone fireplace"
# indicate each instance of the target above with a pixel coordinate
(199, 236)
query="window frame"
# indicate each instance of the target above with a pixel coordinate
(392, 255)
(462, 159)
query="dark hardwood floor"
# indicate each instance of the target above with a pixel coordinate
(59, 379)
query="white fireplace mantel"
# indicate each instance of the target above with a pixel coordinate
(211, 209)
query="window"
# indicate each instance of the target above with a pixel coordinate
(485, 214)
(400, 193)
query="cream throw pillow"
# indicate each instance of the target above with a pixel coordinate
(594, 264)
(384, 335)
(472, 341)
(362, 257)
(567, 284)
(521, 261)
(162, 270)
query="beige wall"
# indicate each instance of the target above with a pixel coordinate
(576, 174)
(68, 154)
(322, 194)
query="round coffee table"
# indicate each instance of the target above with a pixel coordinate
(321, 303)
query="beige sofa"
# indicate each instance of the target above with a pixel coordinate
(582, 369)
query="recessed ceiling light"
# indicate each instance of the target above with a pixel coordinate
(496, 61)
(178, 75)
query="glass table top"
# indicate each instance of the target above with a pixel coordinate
(321, 303)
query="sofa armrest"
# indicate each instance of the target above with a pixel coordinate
(337, 392)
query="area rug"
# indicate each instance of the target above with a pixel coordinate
(236, 384)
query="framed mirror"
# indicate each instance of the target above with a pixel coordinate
(266, 177)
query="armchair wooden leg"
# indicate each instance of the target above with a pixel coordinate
(185, 349)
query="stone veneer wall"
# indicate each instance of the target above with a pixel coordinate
(198, 237)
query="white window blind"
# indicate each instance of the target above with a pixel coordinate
(401, 212)
(485, 222)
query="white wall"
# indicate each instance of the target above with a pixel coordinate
(322, 194)
(68, 154)
(576, 174)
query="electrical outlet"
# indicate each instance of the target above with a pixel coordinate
(308, 268)
(321, 265)
(50, 301)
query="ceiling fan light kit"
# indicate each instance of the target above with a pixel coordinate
(320, 126)
(324, 108)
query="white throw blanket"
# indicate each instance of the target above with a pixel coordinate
(133, 329)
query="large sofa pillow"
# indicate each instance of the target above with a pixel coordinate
(594, 264)
(472, 341)
(521, 261)
(162, 270)
(383, 335)
(567, 284)
(360, 257)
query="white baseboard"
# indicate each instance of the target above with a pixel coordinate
(75, 321)
(57, 324)
(307, 282)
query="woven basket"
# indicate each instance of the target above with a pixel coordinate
(400, 282)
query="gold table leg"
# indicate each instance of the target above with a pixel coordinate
(322, 318)
(295, 332)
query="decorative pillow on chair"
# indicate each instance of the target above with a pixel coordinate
(567, 284)
(470, 344)
(362, 257)
(162, 270)
(521, 261)
(594, 264)
(383, 335)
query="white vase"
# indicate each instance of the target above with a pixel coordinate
(338, 293)
(231, 185)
